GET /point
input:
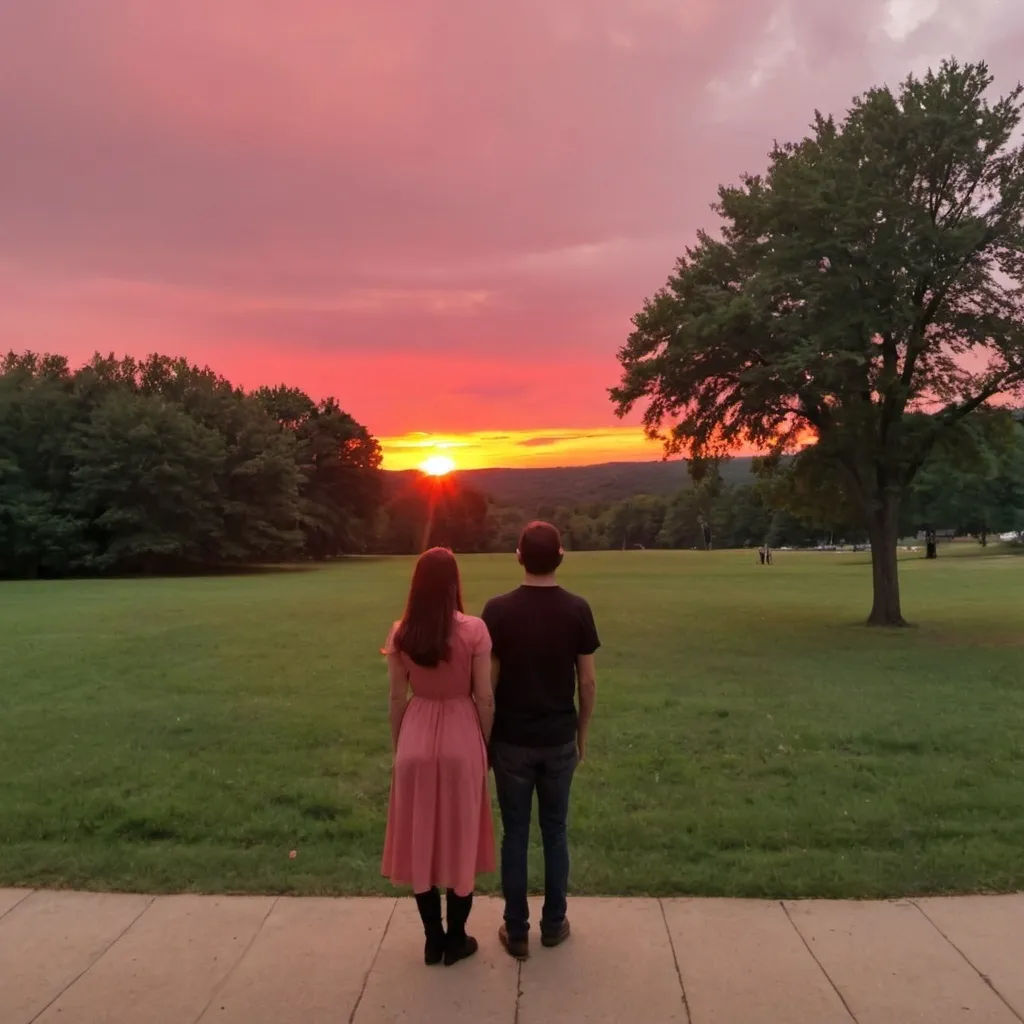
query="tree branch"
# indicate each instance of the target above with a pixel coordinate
(953, 414)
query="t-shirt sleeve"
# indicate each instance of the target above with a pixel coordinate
(589, 640)
(489, 619)
(481, 638)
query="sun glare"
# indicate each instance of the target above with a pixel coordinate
(437, 465)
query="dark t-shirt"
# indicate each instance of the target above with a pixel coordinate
(537, 633)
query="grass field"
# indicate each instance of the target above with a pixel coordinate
(751, 737)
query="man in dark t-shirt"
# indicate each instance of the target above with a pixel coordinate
(544, 639)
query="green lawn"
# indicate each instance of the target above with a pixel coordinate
(751, 737)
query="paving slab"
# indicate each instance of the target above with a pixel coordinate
(893, 967)
(10, 898)
(167, 966)
(617, 966)
(80, 958)
(742, 960)
(49, 939)
(307, 965)
(989, 931)
(401, 987)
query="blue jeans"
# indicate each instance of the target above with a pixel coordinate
(518, 772)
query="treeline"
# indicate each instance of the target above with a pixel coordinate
(569, 486)
(975, 490)
(736, 516)
(456, 515)
(160, 466)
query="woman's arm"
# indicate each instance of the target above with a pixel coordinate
(483, 692)
(398, 700)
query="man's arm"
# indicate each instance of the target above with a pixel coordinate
(586, 681)
(492, 628)
(586, 676)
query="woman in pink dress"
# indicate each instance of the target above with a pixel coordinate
(440, 834)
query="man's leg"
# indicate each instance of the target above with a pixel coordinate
(515, 778)
(554, 780)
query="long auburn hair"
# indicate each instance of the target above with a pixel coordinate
(425, 632)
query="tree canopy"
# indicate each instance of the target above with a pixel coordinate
(975, 485)
(158, 465)
(863, 299)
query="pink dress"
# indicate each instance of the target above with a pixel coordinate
(439, 815)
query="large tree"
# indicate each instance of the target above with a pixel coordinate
(865, 296)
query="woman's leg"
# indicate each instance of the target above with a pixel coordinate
(459, 945)
(429, 905)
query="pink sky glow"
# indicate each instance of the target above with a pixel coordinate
(443, 213)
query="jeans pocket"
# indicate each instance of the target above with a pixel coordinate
(510, 762)
(563, 760)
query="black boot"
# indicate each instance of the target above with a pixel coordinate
(429, 905)
(459, 945)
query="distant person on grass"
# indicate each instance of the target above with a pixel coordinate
(440, 834)
(544, 639)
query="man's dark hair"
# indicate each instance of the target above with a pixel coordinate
(540, 549)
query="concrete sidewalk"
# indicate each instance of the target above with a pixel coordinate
(78, 958)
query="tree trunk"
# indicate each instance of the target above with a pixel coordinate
(884, 532)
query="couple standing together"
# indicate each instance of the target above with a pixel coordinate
(500, 690)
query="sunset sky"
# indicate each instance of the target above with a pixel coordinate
(444, 212)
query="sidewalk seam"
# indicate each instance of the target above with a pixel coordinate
(821, 966)
(984, 977)
(106, 949)
(519, 990)
(373, 962)
(675, 960)
(219, 987)
(17, 903)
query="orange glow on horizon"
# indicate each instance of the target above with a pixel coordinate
(546, 448)
(520, 448)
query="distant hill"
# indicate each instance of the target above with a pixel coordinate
(528, 489)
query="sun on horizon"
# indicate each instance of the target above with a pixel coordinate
(438, 465)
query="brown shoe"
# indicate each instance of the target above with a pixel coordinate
(518, 949)
(556, 938)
